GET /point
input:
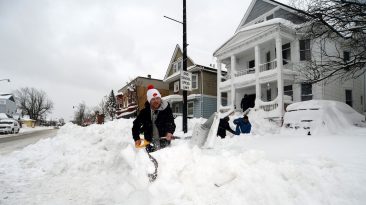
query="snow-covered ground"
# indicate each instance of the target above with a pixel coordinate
(26, 129)
(99, 165)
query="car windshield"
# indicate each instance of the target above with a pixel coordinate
(6, 123)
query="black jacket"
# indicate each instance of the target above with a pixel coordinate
(223, 126)
(143, 124)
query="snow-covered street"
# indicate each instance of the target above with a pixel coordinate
(99, 165)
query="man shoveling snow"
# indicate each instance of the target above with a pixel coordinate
(155, 121)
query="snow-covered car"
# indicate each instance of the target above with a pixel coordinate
(324, 116)
(9, 126)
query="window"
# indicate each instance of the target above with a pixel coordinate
(194, 81)
(268, 59)
(178, 65)
(306, 91)
(286, 53)
(224, 99)
(305, 50)
(251, 64)
(361, 100)
(176, 86)
(269, 17)
(259, 21)
(175, 67)
(288, 91)
(176, 108)
(346, 56)
(190, 108)
(349, 97)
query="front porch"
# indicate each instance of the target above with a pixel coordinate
(262, 66)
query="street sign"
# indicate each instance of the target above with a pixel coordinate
(186, 80)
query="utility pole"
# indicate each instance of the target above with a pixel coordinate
(184, 23)
(184, 65)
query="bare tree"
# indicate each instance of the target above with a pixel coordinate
(338, 30)
(102, 107)
(33, 102)
(80, 113)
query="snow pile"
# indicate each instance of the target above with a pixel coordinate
(260, 124)
(322, 116)
(99, 165)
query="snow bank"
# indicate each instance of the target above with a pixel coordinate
(99, 165)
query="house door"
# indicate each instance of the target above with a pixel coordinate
(251, 100)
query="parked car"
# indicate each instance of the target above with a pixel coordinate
(321, 116)
(9, 126)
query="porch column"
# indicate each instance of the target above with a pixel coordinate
(279, 73)
(258, 92)
(233, 71)
(219, 76)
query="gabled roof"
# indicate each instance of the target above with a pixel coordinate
(176, 50)
(275, 4)
(7, 97)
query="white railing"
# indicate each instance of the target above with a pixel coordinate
(226, 77)
(244, 72)
(176, 114)
(268, 106)
(268, 66)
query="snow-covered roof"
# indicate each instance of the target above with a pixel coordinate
(177, 98)
(6, 96)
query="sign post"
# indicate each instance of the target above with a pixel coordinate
(186, 80)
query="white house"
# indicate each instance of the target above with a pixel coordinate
(263, 58)
(7, 104)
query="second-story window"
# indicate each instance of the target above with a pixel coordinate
(269, 17)
(305, 54)
(176, 86)
(178, 65)
(306, 91)
(194, 81)
(251, 64)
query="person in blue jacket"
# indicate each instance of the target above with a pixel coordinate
(242, 125)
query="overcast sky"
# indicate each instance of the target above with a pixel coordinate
(79, 50)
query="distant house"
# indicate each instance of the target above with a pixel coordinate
(263, 59)
(202, 98)
(7, 104)
(132, 97)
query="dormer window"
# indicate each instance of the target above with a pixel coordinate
(178, 65)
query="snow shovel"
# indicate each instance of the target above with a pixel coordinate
(153, 176)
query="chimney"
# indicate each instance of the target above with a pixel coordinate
(149, 76)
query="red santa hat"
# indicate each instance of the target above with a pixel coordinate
(152, 93)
